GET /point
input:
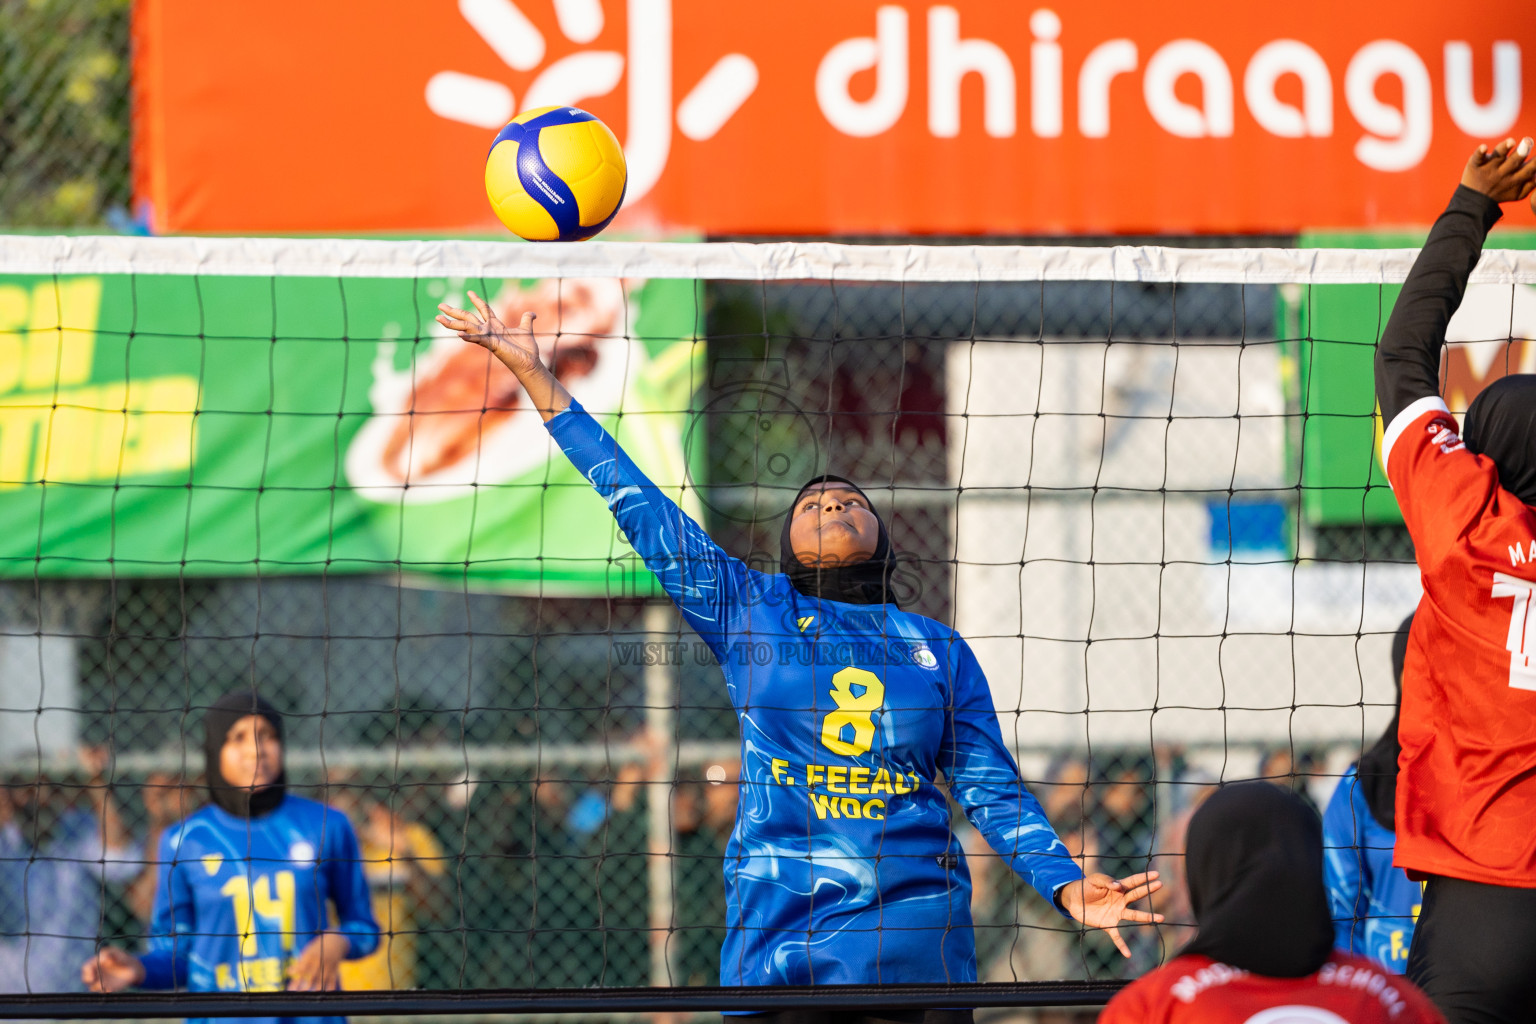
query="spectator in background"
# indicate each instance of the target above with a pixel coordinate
(1123, 810)
(1264, 950)
(1286, 768)
(168, 798)
(55, 861)
(1169, 856)
(1375, 906)
(1123, 815)
(402, 860)
(557, 877)
(702, 815)
(1017, 938)
(1064, 794)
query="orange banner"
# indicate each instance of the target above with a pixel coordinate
(849, 117)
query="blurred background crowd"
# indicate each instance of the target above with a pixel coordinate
(540, 878)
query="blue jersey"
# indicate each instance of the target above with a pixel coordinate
(842, 867)
(239, 899)
(1374, 904)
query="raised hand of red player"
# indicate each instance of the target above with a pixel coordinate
(1100, 901)
(1503, 173)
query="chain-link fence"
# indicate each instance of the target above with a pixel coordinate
(64, 102)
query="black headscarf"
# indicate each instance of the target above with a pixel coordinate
(1255, 867)
(217, 721)
(1377, 770)
(868, 582)
(1501, 424)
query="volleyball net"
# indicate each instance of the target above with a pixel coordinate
(1141, 482)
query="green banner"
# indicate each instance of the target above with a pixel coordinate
(158, 425)
(1331, 372)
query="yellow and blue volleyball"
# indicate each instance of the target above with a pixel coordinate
(555, 174)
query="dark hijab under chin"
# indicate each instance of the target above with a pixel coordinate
(1255, 866)
(868, 582)
(1377, 770)
(1501, 424)
(217, 721)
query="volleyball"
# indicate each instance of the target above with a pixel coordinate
(555, 174)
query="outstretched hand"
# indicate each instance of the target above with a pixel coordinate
(514, 346)
(1502, 173)
(1100, 901)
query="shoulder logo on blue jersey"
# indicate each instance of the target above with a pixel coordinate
(806, 620)
(302, 852)
(212, 863)
(921, 655)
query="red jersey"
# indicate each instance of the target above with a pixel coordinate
(1466, 794)
(1197, 990)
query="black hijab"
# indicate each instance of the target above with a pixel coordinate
(1255, 867)
(217, 721)
(1377, 770)
(868, 582)
(1501, 424)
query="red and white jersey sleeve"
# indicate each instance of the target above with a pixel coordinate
(1466, 796)
(1197, 990)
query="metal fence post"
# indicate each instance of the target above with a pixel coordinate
(661, 735)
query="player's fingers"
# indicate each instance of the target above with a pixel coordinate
(481, 305)
(1524, 149)
(1141, 892)
(526, 323)
(1132, 881)
(1114, 933)
(1140, 917)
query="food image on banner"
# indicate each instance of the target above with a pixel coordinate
(453, 439)
(232, 426)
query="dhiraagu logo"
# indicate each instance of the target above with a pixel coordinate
(59, 422)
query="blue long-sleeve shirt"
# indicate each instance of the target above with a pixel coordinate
(1374, 904)
(240, 898)
(842, 867)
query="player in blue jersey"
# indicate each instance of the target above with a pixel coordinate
(1374, 904)
(842, 867)
(247, 883)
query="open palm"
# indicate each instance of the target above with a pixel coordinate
(515, 346)
(1100, 901)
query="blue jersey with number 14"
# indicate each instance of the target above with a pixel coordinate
(240, 898)
(842, 867)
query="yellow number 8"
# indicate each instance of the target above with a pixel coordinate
(853, 710)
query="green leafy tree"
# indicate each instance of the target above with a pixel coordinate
(64, 102)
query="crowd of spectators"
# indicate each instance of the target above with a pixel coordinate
(541, 877)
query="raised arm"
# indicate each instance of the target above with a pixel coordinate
(984, 779)
(1408, 358)
(704, 581)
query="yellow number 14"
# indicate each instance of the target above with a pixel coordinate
(258, 898)
(853, 710)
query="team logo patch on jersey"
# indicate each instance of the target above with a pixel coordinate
(212, 863)
(302, 852)
(804, 621)
(923, 656)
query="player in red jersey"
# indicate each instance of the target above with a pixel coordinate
(1466, 794)
(1263, 954)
